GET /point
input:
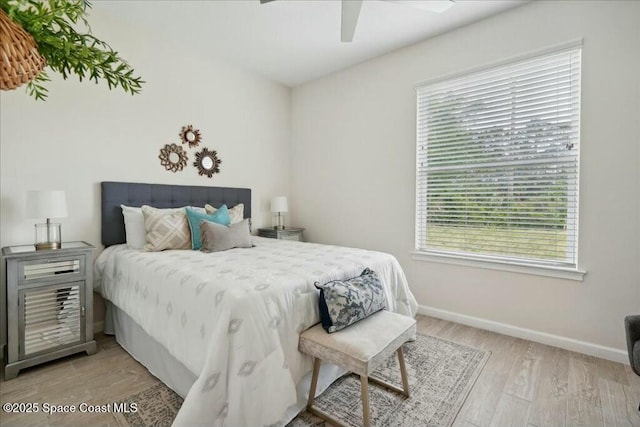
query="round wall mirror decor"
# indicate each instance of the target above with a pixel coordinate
(207, 162)
(190, 136)
(173, 157)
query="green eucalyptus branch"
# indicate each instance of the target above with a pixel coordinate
(53, 24)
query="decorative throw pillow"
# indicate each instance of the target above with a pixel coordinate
(216, 237)
(134, 226)
(166, 229)
(221, 216)
(344, 302)
(236, 213)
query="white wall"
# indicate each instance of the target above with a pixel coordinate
(84, 133)
(353, 154)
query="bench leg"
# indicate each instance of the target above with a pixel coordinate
(314, 382)
(364, 382)
(403, 372)
(312, 395)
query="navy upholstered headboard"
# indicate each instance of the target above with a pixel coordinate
(115, 194)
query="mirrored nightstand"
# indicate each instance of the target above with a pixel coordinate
(292, 233)
(49, 299)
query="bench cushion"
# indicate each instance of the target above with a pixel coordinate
(363, 346)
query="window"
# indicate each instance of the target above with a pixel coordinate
(497, 158)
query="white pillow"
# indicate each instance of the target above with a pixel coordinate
(134, 225)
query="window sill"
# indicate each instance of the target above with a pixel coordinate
(514, 267)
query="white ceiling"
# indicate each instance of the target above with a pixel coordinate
(295, 41)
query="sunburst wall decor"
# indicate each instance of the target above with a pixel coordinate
(190, 136)
(207, 162)
(173, 157)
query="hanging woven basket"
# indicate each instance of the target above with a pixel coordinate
(20, 60)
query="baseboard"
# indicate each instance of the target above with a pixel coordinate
(591, 349)
(98, 326)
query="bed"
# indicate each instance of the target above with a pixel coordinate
(221, 329)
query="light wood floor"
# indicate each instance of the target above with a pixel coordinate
(523, 384)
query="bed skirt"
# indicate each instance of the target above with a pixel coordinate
(175, 375)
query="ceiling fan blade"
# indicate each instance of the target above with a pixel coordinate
(350, 14)
(266, 1)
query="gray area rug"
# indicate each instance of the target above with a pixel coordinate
(441, 375)
(157, 406)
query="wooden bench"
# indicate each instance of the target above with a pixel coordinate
(359, 348)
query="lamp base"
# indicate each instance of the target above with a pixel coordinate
(47, 246)
(48, 236)
(280, 222)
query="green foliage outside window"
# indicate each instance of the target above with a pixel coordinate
(478, 201)
(490, 195)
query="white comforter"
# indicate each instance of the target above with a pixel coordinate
(233, 318)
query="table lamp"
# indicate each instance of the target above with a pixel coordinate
(47, 204)
(279, 206)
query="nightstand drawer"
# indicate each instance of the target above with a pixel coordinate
(52, 318)
(51, 268)
(290, 233)
(294, 235)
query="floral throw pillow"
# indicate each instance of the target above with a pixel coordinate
(344, 302)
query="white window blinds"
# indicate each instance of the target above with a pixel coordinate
(497, 162)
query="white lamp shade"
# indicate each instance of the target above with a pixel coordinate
(279, 204)
(46, 204)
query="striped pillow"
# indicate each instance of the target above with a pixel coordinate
(166, 229)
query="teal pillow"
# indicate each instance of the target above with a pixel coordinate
(220, 216)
